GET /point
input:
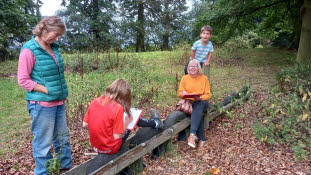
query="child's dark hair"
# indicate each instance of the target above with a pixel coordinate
(207, 28)
(120, 91)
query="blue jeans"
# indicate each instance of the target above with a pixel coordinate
(49, 126)
(197, 121)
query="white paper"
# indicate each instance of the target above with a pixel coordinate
(135, 113)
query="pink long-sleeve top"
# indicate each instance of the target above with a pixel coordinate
(26, 63)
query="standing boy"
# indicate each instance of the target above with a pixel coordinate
(202, 50)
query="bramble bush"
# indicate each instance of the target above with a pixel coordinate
(249, 39)
(288, 119)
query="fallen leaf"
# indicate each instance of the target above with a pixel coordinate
(215, 171)
(304, 98)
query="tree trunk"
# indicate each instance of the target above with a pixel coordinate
(304, 53)
(95, 27)
(167, 26)
(140, 35)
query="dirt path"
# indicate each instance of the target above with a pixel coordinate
(231, 148)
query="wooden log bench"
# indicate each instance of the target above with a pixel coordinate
(148, 139)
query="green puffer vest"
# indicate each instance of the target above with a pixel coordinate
(47, 73)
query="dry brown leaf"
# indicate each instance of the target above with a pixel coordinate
(215, 171)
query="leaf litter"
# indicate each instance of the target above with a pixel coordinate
(228, 150)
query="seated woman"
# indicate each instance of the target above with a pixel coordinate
(196, 83)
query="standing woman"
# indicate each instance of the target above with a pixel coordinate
(196, 83)
(41, 73)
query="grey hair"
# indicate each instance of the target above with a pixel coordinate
(198, 63)
(49, 24)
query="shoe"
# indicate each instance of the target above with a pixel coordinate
(191, 140)
(200, 145)
(155, 116)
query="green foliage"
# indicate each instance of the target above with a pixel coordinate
(15, 18)
(53, 166)
(288, 121)
(89, 24)
(269, 19)
(249, 39)
(230, 115)
(83, 89)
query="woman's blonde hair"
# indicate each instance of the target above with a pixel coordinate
(120, 91)
(49, 24)
(198, 64)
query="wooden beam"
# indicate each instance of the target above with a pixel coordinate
(116, 165)
(210, 116)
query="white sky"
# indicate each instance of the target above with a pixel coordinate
(49, 7)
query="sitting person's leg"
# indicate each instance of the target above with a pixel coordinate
(154, 122)
(198, 108)
(200, 131)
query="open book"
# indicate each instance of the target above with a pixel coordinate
(192, 95)
(136, 113)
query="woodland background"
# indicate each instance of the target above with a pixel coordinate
(264, 44)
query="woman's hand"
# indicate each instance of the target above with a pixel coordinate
(40, 88)
(196, 98)
(184, 93)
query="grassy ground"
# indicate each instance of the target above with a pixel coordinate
(153, 76)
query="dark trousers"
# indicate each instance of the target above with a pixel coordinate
(197, 121)
(142, 122)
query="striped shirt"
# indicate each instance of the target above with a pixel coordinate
(202, 51)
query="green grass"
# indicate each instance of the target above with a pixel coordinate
(8, 66)
(257, 68)
(268, 56)
(154, 78)
(14, 118)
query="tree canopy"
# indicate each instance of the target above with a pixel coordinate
(159, 25)
(17, 17)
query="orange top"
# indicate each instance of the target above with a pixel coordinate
(197, 85)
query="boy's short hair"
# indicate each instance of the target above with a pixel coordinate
(207, 28)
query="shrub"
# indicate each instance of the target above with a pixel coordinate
(288, 119)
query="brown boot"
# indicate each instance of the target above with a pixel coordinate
(191, 140)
